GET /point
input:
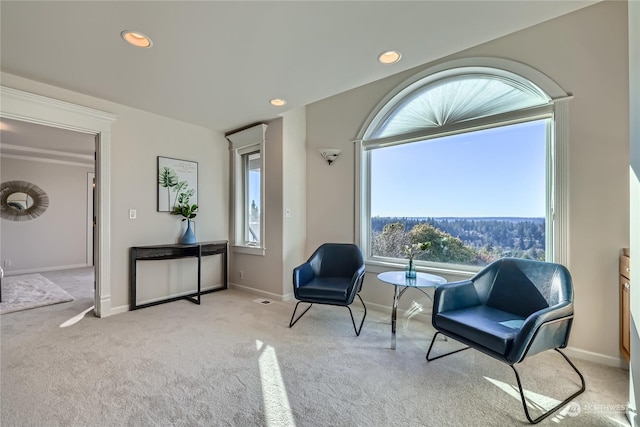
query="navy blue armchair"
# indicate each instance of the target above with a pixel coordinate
(333, 275)
(510, 310)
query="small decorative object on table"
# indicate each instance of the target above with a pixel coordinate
(410, 270)
(411, 250)
(189, 236)
(188, 211)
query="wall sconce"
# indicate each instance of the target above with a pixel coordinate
(330, 154)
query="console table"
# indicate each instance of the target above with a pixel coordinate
(175, 251)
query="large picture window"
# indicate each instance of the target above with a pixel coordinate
(475, 197)
(464, 159)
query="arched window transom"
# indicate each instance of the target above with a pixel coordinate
(458, 98)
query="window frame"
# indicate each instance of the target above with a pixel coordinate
(557, 165)
(242, 143)
(245, 162)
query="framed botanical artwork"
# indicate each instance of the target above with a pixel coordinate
(177, 183)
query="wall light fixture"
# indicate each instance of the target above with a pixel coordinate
(330, 154)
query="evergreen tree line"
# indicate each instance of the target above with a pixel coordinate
(470, 241)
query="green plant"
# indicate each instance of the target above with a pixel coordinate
(188, 211)
(413, 249)
(178, 189)
(167, 178)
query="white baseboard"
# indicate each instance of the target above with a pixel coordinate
(118, 310)
(260, 292)
(42, 269)
(288, 297)
(603, 359)
(379, 307)
(105, 306)
(424, 316)
(124, 308)
(176, 295)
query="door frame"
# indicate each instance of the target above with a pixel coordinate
(91, 179)
(29, 107)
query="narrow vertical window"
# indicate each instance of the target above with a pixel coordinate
(248, 166)
(252, 176)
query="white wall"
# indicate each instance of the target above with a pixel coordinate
(586, 54)
(634, 191)
(294, 163)
(137, 139)
(58, 238)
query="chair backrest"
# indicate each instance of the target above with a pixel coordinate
(336, 260)
(523, 286)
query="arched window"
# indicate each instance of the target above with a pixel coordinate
(470, 158)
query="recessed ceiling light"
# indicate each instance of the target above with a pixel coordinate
(277, 102)
(389, 57)
(136, 39)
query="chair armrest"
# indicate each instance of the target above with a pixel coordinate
(544, 329)
(356, 283)
(358, 277)
(454, 296)
(303, 274)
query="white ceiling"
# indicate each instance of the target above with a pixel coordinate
(217, 64)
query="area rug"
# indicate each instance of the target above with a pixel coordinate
(30, 291)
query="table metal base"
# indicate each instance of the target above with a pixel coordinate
(394, 311)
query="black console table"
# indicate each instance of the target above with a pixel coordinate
(176, 251)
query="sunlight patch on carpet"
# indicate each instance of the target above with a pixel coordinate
(30, 291)
(534, 400)
(75, 319)
(274, 394)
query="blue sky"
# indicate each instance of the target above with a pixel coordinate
(497, 172)
(254, 187)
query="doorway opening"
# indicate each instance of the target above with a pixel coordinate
(55, 250)
(32, 108)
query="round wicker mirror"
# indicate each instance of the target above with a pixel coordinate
(22, 201)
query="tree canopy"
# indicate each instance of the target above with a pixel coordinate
(476, 241)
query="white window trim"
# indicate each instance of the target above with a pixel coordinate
(557, 168)
(251, 139)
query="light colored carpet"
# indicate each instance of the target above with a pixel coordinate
(234, 362)
(30, 291)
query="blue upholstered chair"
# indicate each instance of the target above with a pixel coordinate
(333, 275)
(510, 310)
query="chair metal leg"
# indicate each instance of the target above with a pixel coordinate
(433, 340)
(363, 317)
(357, 329)
(558, 406)
(292, 322)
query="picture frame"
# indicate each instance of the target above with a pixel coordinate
(176, 178)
